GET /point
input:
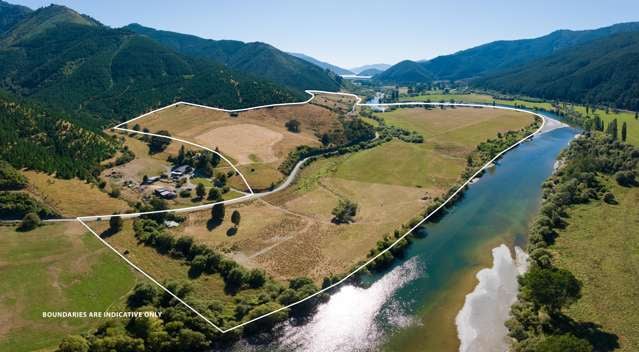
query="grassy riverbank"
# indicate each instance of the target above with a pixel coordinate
(601, 247)
(580, 292)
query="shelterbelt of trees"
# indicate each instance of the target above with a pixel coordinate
(537, 320)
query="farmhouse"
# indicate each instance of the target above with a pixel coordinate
(180, 171)
(165, 193)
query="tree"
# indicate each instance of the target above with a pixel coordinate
(143, 294)
(235, 218)
(157, 143)
(181, 155)
(609, 198)
(612, 129)
(625, 178)
(256, 278)
(217, 213)
(344, 212)
(552, 288)
(30, 222)
(623, 131)
(293, 125)
(326, 139)
(235, 278)
(214, 194)
(200, 191)
(220, 180)
(115, 224)
(73, 343)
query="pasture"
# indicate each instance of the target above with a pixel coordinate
(290, 233)
(257, 141)
(606, 116)
(600, 246)
(72, 197)
(55, 268)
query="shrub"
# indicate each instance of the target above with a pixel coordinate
(10, 178)
(256, 278)
(609, 198)
(115, 224)
(30, 222)
(625, 178)
(158, 144)
(344, 212)
(73, 343)
(292, 125)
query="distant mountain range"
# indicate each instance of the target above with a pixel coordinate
(561, 65)
(322, 64)
(358, 70)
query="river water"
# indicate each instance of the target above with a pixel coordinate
(413, 306)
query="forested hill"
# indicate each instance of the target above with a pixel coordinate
(605, 71)
(11, 14)
(258, 59)
(498, 56)
(406, 71)
(98, 74)
(507, 54)
(33, 138)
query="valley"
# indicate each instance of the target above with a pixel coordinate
(242, 177)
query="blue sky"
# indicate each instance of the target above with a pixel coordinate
(352, 33)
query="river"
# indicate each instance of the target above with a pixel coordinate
(414, 304)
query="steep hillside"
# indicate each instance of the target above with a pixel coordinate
(507, 54)
(33, 138)
(97, 74)
(322, 64)
(406, 71)
(11, 14)
(604, 71)
(258, 59)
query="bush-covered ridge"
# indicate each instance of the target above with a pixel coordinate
(537, 322)
(33, 138)
(97, 74)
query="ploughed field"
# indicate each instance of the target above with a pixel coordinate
(291, 233)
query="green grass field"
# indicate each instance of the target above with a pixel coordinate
(621, 116)
(55, 268)
(477, 98)
(601, 247)
(450, 135)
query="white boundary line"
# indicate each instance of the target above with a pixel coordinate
(253, 195)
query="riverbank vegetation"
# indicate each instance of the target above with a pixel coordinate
(597, 178)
